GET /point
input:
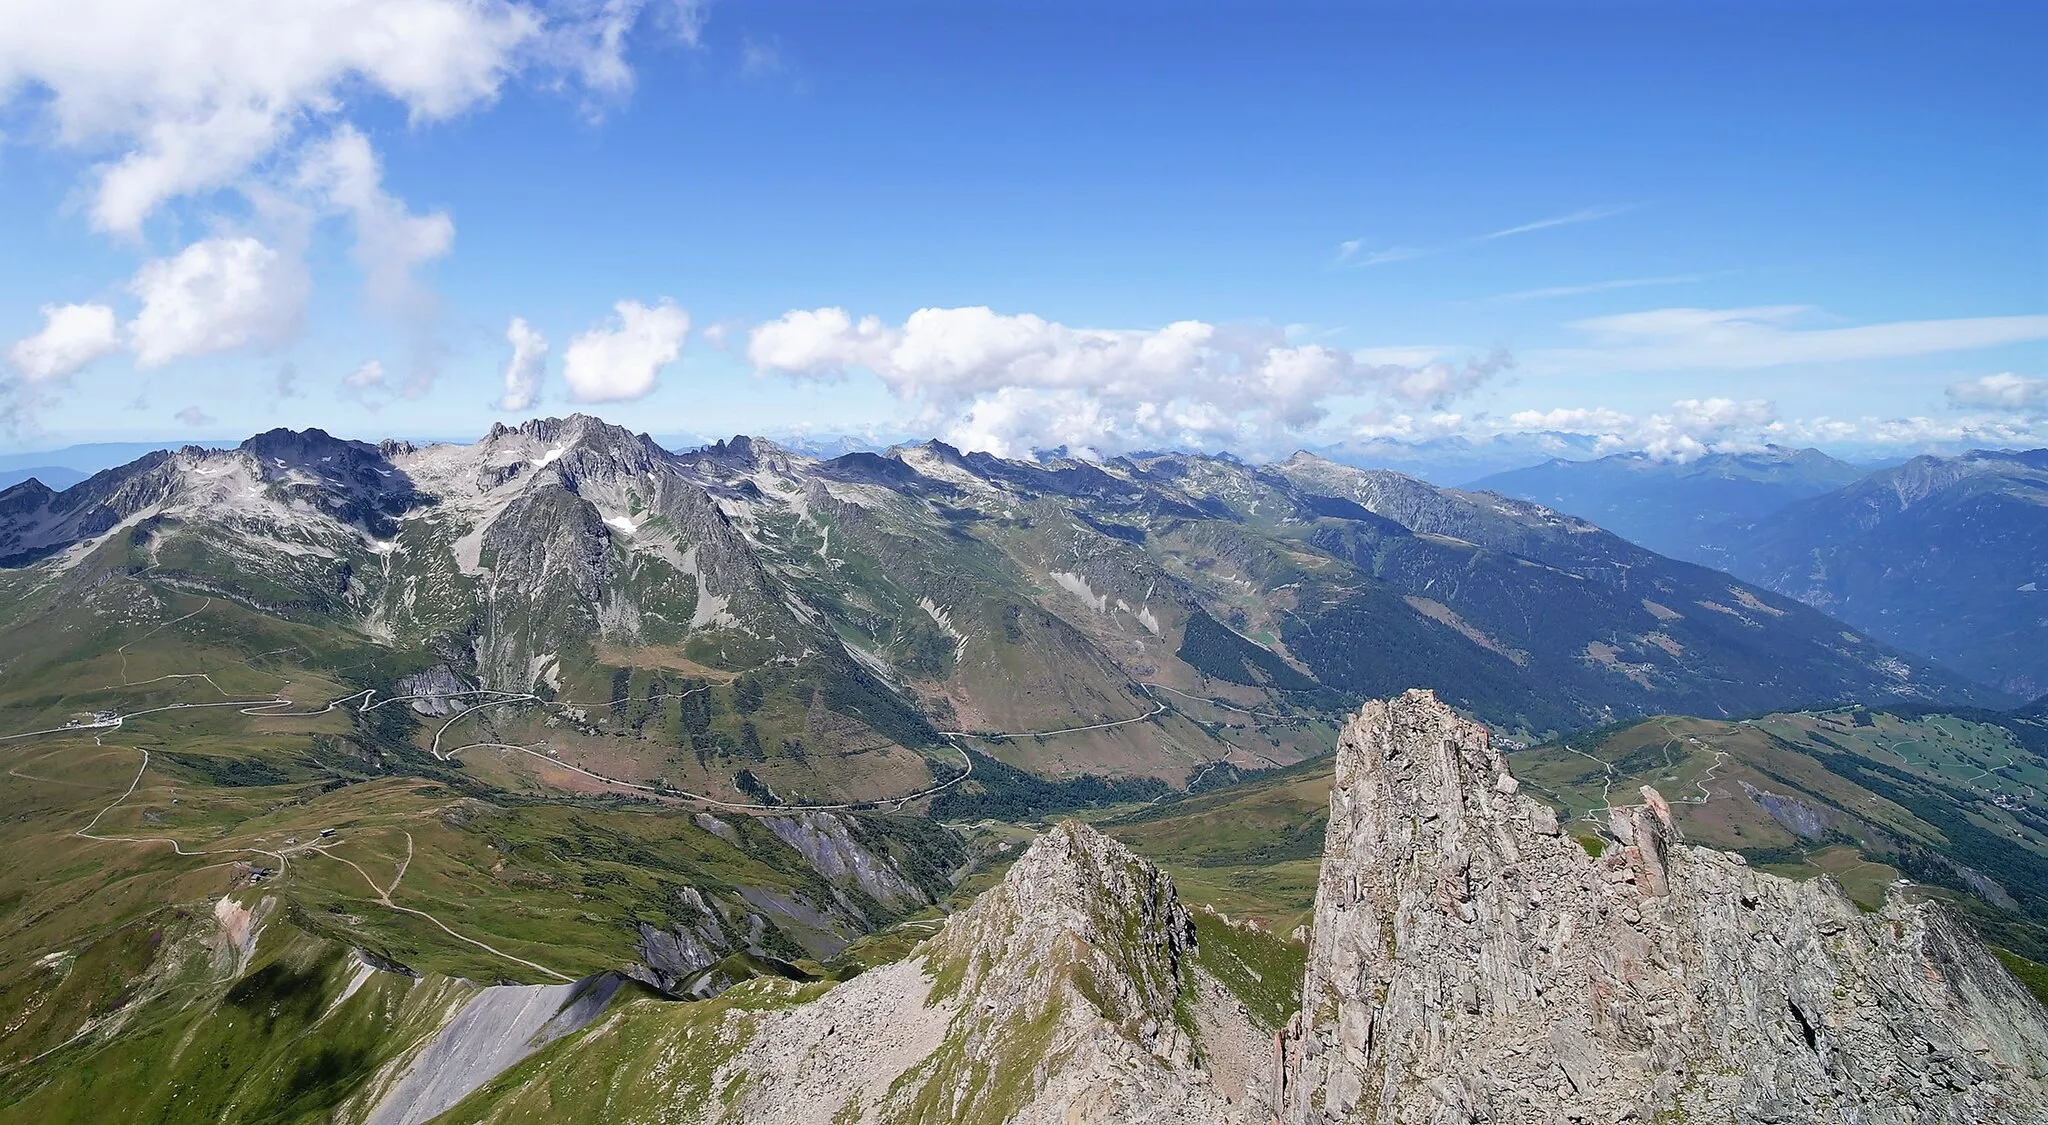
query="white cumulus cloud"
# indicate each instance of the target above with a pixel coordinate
(391, 241)
(192, 96)
(173, 101)
(72, 336)
(523, 371)
(619, 360)
(1009, 383)
(215, 295)
(2003, 391)
(1689, 429)
(369, 376)
(1695, 427)
(1571, 420)
(1947, 433)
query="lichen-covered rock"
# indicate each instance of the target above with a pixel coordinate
(1472, 962)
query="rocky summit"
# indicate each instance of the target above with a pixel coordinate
(1068, 993)
(1474, 960)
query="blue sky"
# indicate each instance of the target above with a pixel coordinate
(1668, 227)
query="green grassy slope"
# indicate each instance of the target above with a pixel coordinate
(117, 1001)
(284, 1041)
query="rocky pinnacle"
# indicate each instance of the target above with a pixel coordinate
(1473, 961)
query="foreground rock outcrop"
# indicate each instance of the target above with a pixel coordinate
(1068, 994)
(1474, 961)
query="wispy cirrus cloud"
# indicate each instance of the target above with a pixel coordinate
(1354, 253)
(1357, 253)
(1769, 336)
(1582, 215)
(1549, 292)
(762, 58)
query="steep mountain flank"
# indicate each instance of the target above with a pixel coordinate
(36, 522)
(1472, 962)
(1539, 621)
(492, 1031)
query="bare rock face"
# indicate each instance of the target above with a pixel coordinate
(674, 959)
(1471, 961)
(827, 842)
(496, 1028)
(1066, 995)
(1066, 977)
(1077, 911)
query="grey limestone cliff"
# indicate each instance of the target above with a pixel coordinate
(1472, 961)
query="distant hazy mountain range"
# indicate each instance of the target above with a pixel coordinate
(1457, 460)
(1946, 556)
(62, 468)
(1942, 555)
(51, 476)
(90, 458)
(1690, 510)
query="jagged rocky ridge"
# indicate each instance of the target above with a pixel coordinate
(1473, 961)
(1066, 994)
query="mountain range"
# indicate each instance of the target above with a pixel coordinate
(1690, 510)
(1943, 556)
(876, 599)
